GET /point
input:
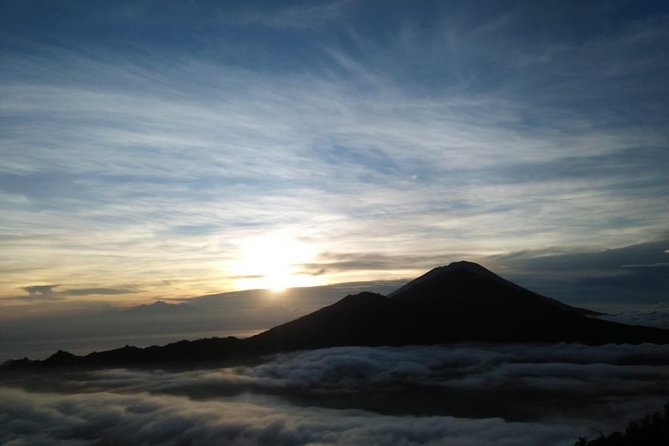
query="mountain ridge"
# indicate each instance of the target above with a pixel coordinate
(460, 302)
(159, 308)
(481, 273)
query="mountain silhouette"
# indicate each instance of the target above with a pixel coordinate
(471, 282)
(159, 308)
(461, 302)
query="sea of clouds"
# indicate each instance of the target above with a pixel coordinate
(655, 315)
(422, 395)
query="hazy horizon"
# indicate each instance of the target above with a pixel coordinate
(240, 314)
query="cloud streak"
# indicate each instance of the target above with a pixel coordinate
(40, 290)
(98, 291)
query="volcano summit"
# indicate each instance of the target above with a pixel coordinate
(461, 302)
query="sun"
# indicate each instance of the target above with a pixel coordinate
(272, 262)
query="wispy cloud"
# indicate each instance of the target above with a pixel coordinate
(49, 292)
(504, 142)
(40, 290)
(299, 16)
(98, 291)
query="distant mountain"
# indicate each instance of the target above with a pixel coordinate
(461, 302)
(159, 308)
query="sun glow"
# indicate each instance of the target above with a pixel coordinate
(272, 262)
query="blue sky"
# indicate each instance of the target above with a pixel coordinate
(167, 148)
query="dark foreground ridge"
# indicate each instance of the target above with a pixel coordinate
(461, 302)
(650, 430)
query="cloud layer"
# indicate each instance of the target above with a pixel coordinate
(463, 395)
(148, 420)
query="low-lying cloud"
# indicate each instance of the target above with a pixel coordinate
(40, 290)
(460, 395)
(99, 291)
(50, 292)
(632, 274)
(167, 420)
(652, 315)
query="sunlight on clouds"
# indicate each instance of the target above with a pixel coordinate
(269, 262)
(124, 167)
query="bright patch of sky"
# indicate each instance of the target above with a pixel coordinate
(145, 145)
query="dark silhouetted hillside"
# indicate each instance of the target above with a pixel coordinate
(461, 302)
(651, 430)
(469, 281)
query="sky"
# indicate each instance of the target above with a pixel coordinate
(167, 149)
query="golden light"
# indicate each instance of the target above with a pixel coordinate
(272, 262)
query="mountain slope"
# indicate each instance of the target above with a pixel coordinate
(471, 281)
(461, 302)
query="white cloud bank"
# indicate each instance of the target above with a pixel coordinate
(142, 419)
(458, 395)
